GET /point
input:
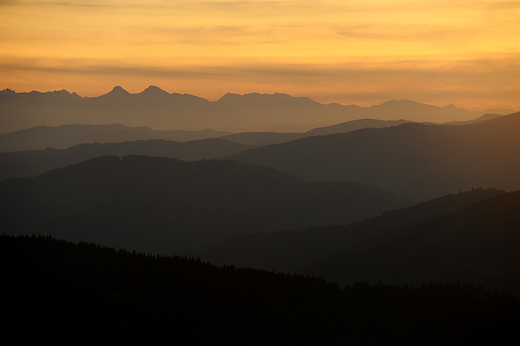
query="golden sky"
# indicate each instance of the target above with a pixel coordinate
(351, 52)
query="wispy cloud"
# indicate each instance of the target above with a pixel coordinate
(399, 32)
(504, 5)
(480, 76)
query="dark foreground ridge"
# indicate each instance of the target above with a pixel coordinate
(92, 293)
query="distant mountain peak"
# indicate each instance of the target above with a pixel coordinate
(8, 92)
(152, 89)
(117, 90)
(275, 98)
(61, 92)
(400, 102)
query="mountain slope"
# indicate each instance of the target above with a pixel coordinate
(468, 237)
(291, 250)
(478, 244)
(163, 205)
(354, 125)
(268, 138)
(33, 162)
(123, 298)
(64, 136)
(417, 161)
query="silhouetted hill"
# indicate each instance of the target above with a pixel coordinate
(268, 138)
(484, 117)
(232, 113)
(417, 161)
(33, 162)
(419, 112)
(262, 138)
(354, 125)
(64, 136)
(478, 245)
(291, 250)
(85, 293)
(163, 205)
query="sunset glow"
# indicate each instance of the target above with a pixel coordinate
(438, 52)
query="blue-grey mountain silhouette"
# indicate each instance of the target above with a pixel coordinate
(232, 113)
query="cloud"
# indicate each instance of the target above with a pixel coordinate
(504, 5)
(478, 71)
(400, 32)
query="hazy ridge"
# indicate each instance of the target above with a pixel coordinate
(30, 163)
(469, 237)
(162, 205)
(416, 161)
(64, 136)
(156, 108)
(477, 244)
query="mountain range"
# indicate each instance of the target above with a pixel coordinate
(416, 161)
(64, 136)
(469, 237)
(477, 244)
(387, 224)
(30, 163)
(157, 108)
(163, 205)
(293, 250)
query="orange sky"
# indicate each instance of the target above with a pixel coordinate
(362, 52)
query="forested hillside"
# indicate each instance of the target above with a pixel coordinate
(85, 293)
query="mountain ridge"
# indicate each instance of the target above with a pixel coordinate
(64, 136)
(414, 160)
(33, 162)
(468, 237)
(476, 244)
(293, 250)
(164, 205)
(174, 111)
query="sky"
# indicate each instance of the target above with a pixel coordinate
(366, 52)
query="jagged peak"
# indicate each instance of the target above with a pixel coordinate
(8, 92)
